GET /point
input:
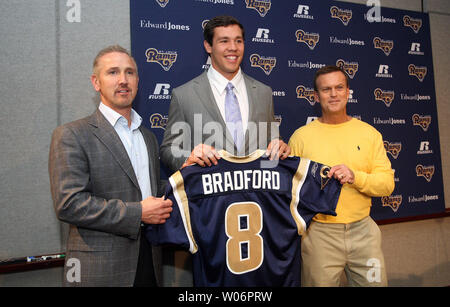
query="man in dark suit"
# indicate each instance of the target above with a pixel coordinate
(200, 119)
(104, 174)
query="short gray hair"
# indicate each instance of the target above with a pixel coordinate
(110, 49)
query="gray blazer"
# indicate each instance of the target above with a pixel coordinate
(192, 111)
(95, 190)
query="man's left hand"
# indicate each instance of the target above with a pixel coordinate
(278, 149)
(342, 173)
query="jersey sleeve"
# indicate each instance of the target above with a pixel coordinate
(177, 229)
(313, 192)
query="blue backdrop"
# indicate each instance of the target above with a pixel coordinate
(388, 60)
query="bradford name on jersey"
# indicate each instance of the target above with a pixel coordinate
(243, 218)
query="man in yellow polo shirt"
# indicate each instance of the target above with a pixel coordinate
(350, 241)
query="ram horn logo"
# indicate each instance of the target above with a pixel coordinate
(158, 121)
(265, 63)
(393, 201)
(419, 71)
(386, 96)
(261, 6)
(393, 148)
(426, 172)
(349, 68)
(414, 24)
(422, 121)
(385, 46)
(343, 15)
(162, 3)
(165, 59)
(204, 22)
(324, 179)
(306, 93)
(310, 39)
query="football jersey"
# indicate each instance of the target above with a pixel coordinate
(243, 218)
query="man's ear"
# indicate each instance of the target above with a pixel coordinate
(95, 83)
(207, 46)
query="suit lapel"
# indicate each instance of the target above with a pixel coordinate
(151, 161)
(203, 90)
(251, 96)
(108, 136)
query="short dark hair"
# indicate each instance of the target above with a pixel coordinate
(326, 70)
(220, 21)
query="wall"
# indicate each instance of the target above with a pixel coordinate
(46, 57)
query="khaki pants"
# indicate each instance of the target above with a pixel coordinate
(330, 249)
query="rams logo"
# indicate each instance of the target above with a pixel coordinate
(158, 121)
(162, 3)
(306, 93)
(393, 148)
(419, 71)
(414, 24)
(422, 121)
(385, 46)
(393, 201)
(426, 172)
(310, 39)
(261, 6)
(386, 96)
(349, 68)
(343, 15)
(204, 22)
(324, 176)
(165, 59)
(265, 63)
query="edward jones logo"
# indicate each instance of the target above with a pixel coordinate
(419, 71)
(310, 39)
(385, 46)
(414, 24)
(265, 63)
(163, 58)
(261, 6)
(386, 96)
(342, 15)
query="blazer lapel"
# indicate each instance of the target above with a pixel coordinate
(203, 90)
(251, 96)
(108, 136)
(151, 161)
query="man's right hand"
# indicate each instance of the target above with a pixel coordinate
(155, 210)
(202, 155)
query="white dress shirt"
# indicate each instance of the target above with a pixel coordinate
(218, 86)
(134, 143)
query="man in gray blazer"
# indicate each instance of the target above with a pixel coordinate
(199, 122)
(104, 176)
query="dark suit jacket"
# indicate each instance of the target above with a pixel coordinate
(95, 190)
(194, 118)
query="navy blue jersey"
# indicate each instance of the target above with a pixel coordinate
(243, 218)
